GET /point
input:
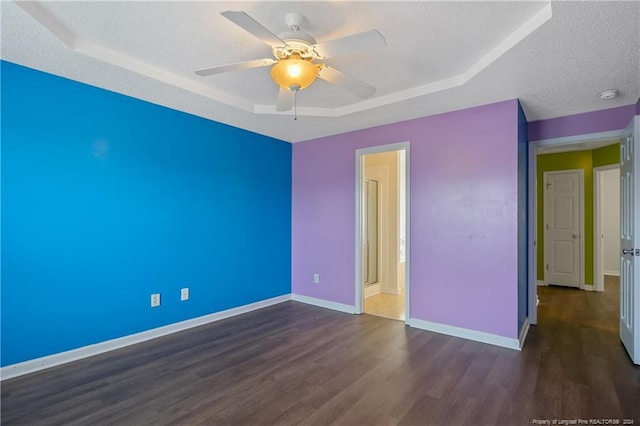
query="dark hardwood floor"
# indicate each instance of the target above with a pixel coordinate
(303, 365)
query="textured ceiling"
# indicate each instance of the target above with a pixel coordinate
(440, 56)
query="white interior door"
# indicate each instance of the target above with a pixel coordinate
(563, 227)
(630, 242)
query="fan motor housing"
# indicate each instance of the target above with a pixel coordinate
(298, 43)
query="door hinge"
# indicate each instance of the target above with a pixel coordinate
(547, 225)
(547, 266)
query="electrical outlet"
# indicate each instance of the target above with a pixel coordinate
(316, 278)
(184, 294)
(155, 300)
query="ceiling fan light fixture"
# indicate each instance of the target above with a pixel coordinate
(294, 72)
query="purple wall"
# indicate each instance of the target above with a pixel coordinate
(581, 124)
(463, 216)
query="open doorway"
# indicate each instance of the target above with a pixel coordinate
(568, 192)
(601, 152)
(606, 221)
(628, 303)
(382, 284)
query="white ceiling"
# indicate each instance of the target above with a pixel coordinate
(440, 56)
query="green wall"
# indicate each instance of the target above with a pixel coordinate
(585, 160)
(606, 155)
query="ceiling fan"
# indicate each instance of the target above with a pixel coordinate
(299, 58)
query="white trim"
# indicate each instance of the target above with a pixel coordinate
(541, 283)
(612, 273)
(523, 333)
(359, 291)
(568, 140)
(78, 44)
(533, 237)
(407, 230)
(349, 309)
(465, 333)
(359, 176)
(82, 46)
(37, 364)
(581, 226)
(588, 287)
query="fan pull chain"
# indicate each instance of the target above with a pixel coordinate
(295, 88)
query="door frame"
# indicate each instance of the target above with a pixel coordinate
(360, 153)
(533, 204)
(581, 262)
(598, 249)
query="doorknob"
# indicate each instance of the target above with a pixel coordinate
(574, 236)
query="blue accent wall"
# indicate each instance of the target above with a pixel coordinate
(107, 199)
(523, 218)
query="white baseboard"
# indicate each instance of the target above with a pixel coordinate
(524, 332)
(372, 290)
(324, 303)
(465, 333)
(33, 365)
(541, 283)
(587, 287)
(613, 273)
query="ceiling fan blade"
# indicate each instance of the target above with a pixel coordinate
(285, 99)
(353, 85)
(256, 63)
(349, 45)
(249, 24)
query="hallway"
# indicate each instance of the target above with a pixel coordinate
(569, 307)
(583, 370)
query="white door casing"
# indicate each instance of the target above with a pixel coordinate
(564, 210)
(630, 241)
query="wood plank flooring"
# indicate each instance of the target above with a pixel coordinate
(294, 364)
